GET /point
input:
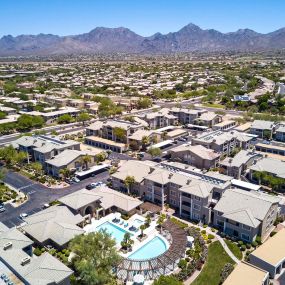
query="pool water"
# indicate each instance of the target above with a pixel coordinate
(153, 248)
(116, 232)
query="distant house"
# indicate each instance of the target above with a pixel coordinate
(242, 98)
(280, 133)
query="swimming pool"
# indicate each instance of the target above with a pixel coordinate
(116, 232)
(151, 249)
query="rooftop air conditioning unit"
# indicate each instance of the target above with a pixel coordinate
(25, 261)
(7, 245)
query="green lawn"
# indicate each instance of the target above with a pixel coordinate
(216, 260)
(234, 249)
(214, 105)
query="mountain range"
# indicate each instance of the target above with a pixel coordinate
(190, 38)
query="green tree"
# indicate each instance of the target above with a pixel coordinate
(119, 133)
(83, 117)
(65, 173)
(127, 242)
(20, 157)
(65, 119)
(129, 182)
(145, 142)
(2, 115)
(27, 122)
(85, 159)
(167, 280)
(100, 157)
(154, 151)
(144, 103)
(95, 257)
(37, 167)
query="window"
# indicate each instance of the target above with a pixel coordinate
(246, 227)
(196, 216)
(172, 192)
(220, 223)
(184, 212)
(184, 203)
(245, 237)
(186, 195)
(173, 202)
(197, 198)
(197, 207)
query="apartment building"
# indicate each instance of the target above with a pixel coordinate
(208, 119)
(16, 256)
(160, 119)
(197, 155)
(270, 256)
(245, 215)
(186, 116)
(280, 133)
(109, 130)
(223, 142)
(190, 192)
(263, 129)
(42, 148)
(237, 165)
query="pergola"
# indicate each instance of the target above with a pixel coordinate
(160, 265)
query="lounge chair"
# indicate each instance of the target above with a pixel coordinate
(126, 225)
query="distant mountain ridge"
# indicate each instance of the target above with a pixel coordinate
(113, 40)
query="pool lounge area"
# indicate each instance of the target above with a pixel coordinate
(157, 254)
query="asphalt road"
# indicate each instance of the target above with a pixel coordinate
(38, 195)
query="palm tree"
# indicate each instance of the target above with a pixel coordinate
(129, 181)
(145, 142)
(142, 228)
(85, 159)
(65, 173)
(119, 133)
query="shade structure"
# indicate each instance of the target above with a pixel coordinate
(138, 279)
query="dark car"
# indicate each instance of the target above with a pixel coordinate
(89, 187)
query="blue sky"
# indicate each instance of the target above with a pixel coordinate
(145, 17)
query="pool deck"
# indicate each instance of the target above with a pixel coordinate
(151, 231)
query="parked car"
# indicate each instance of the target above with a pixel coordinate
(45, 206)
(23, 215)
(75, 179)
(90, 186)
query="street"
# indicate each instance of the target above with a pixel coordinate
(38, 195)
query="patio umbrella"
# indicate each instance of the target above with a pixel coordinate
(138, 279)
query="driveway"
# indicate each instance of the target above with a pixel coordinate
(38, 195)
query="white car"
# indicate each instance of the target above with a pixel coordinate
(75, 179)
(23, 215)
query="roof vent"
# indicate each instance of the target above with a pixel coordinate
(25, 261)
(7, 245)
(170, 175)
(188, 182)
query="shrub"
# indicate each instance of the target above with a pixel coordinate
(203, 232)
(187, 259)
(205, 226)
(243, 247)
(254, 244)
(240, 243)
(258, 239)
(209, 241)
(182, 263)
(210, 236)
(213, 230)
(37, 251)
(273, 234)
(248, 246)
(226, 271)
(43, 249)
